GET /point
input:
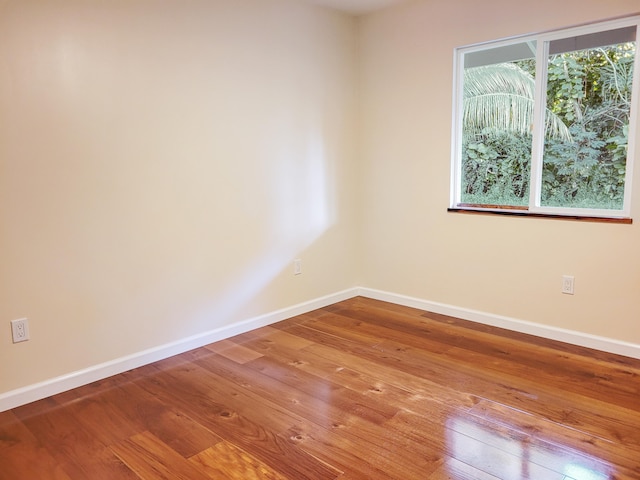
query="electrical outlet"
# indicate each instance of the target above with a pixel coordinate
(297, 266)
(567, 284)
(20, 330)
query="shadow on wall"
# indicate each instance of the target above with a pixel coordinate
(304, 209)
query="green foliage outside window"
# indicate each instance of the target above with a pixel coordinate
(586, 131)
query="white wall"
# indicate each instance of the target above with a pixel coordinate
(161, 165)
(506, 266)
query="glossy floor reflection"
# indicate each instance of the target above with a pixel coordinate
(359, 390)
(511, 456)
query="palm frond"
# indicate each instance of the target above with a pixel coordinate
(501, 96)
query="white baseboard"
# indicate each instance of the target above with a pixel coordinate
(38, 391)
(563, 335)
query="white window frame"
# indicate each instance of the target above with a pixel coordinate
(542, 41)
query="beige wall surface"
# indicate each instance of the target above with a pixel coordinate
(162, 163)
(506, 266)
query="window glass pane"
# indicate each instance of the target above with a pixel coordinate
(498, 105)
(589, 97)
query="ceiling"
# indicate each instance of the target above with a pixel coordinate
(356, 7)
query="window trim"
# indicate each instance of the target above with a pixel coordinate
(543, 40)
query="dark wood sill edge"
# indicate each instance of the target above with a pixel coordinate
(524, 213)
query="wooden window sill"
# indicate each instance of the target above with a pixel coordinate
(525, 213)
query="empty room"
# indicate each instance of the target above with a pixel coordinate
(319, 239)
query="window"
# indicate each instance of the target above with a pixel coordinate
(542, 122)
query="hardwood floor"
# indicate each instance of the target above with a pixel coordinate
(359, 390)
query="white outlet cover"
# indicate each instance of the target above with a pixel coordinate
(20, 330)
(297, 266)
(568, 284)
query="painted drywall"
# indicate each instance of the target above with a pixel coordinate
(162, 163)
(506, 266)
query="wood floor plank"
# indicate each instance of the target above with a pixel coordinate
(359, 390)
(234, 351)
(239, 418)
(25, 461)
(563, 437)
(368, 389)
(531, 395)
(317, 422)
(453, 331)
(19, 448)
(478, 448)
(277, 334)
(523, 354)
(13, 431)
(148, 457)
(453, 469)
(76, 450)
(311, 397)
(173, 427)
(227, 461)
(108, 417)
